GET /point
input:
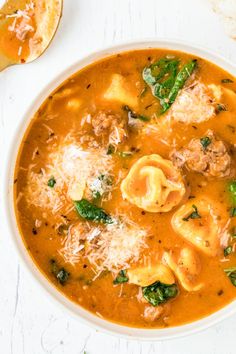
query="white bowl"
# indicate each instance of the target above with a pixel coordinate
(77, 311)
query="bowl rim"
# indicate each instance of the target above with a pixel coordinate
(37, 276)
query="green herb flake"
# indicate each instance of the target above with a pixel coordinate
(121, 278)
(231, 273)
(111, 149)
(193, 215)
(158, 293)
(232, 191)
(220, 108)
(134, 115)
(232, 212)
(233, 233)
(205, 141)
(61, 274)
(51, 182)
(227, 81)
(91, 212)
(228, 250)
(143, 118)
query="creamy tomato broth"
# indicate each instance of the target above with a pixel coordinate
(125, 189)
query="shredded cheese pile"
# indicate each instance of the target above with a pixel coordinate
(112, 247)
(73, 169)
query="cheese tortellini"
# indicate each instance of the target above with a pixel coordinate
(186, 266)
(145, 276)
(153, 184)
(201, 223)
(121, 92)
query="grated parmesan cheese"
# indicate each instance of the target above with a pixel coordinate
(112, 247)
(21, 22)
(193, 104)
(73, 169)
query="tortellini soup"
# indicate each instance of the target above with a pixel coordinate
(125, 188)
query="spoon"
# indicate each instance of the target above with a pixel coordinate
(27, 27)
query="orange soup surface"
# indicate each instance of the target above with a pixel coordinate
(125, 188)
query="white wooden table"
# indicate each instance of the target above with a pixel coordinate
(29, 322)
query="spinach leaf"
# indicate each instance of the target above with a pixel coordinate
(91, 212)
(181, 78)
(164, 68)
(121, 277)
(159, 293)
(165, 80)
(61, 274)
(205, 141)
(161, 76)
(231, 273)
(51, 182)
(193, 215)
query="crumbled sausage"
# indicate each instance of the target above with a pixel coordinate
(110, 125)
(152, 313)
(211, 159)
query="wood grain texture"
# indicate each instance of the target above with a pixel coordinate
(29, 322)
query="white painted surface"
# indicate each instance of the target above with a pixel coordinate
(29, 322)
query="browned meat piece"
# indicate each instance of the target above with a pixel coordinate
(152, 313)
(207, 155)
(109, 125)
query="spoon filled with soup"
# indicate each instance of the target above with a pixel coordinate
(26, 29)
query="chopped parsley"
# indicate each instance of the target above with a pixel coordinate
(232, 212)
(232, 191)
(193, 215)
(220, 108)
(51, 182)
(121, 277)
(205, 141)
(133, 115)
(228, 250)
(61, 274)
(111, 149)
